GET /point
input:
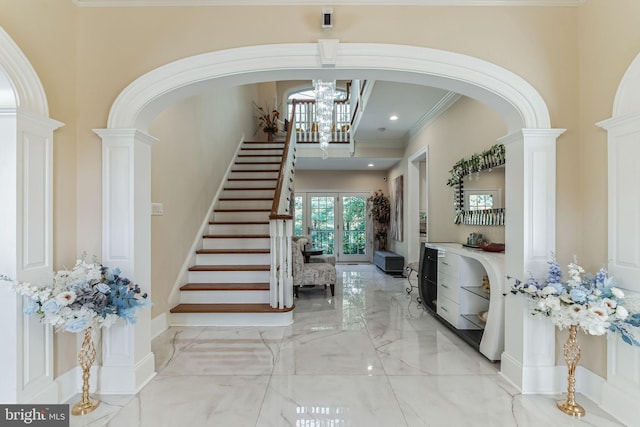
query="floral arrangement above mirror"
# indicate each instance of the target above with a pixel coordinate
(487, 160)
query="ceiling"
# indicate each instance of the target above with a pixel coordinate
(378, 140)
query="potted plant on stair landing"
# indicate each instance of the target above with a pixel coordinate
(268, 121)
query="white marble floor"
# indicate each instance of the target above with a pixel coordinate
(370, 356)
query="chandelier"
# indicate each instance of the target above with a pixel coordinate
(325, 94)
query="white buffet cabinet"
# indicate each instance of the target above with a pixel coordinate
(460, 296)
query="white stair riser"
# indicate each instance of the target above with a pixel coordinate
(231, 319)
(224, 297)
(274, 152)
(239, 229)
(251, 184)
(255, 166)
(241, 216)
(228, 276)
(265, 145)
(235, 243)
(258, 159)
(233, 259)
(253, 175)
(245, 204)
(247, 194)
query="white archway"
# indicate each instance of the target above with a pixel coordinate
(529, 355)
(26, 163)
(622, 388)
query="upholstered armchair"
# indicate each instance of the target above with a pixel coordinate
(309, 274)
(328, 258)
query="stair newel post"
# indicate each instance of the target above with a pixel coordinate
(288, 258)
(273, 273)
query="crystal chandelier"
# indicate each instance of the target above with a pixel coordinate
(325, 94)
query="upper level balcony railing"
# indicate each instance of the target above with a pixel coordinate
(306, 124)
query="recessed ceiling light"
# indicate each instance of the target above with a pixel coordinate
(370, 165)
(394, 117)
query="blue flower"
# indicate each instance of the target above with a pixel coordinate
(578, 295)
(77, 325)
(103, 288)
(50, 306)
(30, 307)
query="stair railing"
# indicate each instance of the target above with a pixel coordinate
(281, 221)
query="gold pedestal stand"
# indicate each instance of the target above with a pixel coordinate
(571, 356)
(86, 357)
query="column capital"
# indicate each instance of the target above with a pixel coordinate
(531, 133)
(124, 135)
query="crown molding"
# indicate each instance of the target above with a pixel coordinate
(186, 3)
(436, 111)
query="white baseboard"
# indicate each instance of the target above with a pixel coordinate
(621, 403)
(127, 379)
(159, 324)
(70, 383)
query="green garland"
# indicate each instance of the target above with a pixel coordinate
(494, 156)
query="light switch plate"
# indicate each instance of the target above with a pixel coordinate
(157, 209)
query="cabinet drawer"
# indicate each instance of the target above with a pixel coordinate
(448, 286)
(448, 310)
(448, 264)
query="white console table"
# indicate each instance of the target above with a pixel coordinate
(460, 297)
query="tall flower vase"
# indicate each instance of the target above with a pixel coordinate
(571, 356)
(86, 357)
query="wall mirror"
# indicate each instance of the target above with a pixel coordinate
(478, 184)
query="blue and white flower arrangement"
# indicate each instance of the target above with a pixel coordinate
(591, 302)
(89, 295)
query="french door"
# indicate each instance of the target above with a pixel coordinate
(337, 223)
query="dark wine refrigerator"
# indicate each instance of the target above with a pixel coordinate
(428, 277)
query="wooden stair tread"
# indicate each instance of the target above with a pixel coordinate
(236, 236)
(248, 199)
(255, 170)
(225, 287)
(264, 142)
(248, 188)
(242, 210)
(257, 163)
(231, 251)
(238, 222)
(259, 155)
(240, 267)
(252, 179)
(228, 308)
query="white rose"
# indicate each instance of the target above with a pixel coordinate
(622, 312)
(553, 303)
(617, 293)
(549, 290)
(531, 289)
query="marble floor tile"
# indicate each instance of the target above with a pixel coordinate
(369, 356)
(218, 400)
(328, 352)
(329, 400)
(227, 351)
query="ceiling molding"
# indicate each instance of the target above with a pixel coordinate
(186, 3)
(430, 116)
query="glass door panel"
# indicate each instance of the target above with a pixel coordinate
(322, 221)
(354, 228)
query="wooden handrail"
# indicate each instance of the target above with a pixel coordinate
(282, 171)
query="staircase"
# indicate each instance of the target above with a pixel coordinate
(229, 283)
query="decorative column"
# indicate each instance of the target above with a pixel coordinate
(530, 187)
(26, 248)
(621, 391)
(127, 360)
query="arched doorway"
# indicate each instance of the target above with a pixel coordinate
(26, 248)
(622, 388)
(529, 355)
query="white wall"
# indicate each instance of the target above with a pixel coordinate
(197, 140)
